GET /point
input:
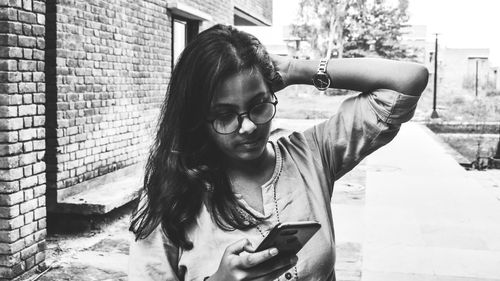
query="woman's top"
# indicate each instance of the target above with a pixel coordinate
(301, 188)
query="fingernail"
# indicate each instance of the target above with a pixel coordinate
(273, 252)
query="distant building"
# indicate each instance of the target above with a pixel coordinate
(457, 67)
(468, 68)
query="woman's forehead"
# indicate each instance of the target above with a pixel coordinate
(239, 87)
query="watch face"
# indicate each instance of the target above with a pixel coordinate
(321, 81)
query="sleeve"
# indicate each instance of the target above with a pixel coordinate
(362, 124)
(153, 258)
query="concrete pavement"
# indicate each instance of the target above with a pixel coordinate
(425, 218)
(408, 212)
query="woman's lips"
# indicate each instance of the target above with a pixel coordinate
(250, 143)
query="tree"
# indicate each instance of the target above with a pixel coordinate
(353, 28)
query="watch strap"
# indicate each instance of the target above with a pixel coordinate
(323, 63)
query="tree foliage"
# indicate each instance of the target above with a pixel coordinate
(353, 28)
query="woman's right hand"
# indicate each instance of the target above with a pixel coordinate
(241, 262)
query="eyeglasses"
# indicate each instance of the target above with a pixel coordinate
(230, 122)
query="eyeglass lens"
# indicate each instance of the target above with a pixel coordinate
(259, 114)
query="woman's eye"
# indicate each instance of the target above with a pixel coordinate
(224, 116)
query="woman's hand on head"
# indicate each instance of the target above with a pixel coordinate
(241, 262)
(282, 65)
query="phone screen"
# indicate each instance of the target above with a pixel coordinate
(289, 237)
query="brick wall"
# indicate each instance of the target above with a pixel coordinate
(112, 63)
(109, 64)
(22, 134)
(260, 8)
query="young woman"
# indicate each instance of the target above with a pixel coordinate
(215, 185)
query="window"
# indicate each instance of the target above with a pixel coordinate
(179, 30)
(185, 25)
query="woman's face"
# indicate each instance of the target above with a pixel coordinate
(238, 94)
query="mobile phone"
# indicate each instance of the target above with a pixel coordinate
(289, 237)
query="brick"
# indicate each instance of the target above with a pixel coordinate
(39, 191)
(27, 159)
(27, 110)
(8, 39)
(40, 235)
(38, 77)
(41, 179)
(27, 171)
(38, 98)
(27, 5)
(9, 236)
(26, 41)
(27, 17)
(40, 65)
(8, 137)
(27, 134)
(28, 229)
(27, 54)
(8, 162)
(11, 124)
(39, 6)
(11, 199)
(10, 149)
(15, 3)
(29, 240)
(28, 146)
(8, 14)
(27, 182)
(9, 212)
(38, 145)
(28, 206)
(11, 52)
(28, 218)
(40, 213)
(39, 257)
(10, 260)
(27, 65)
(39, 54)
(42, 224)
(30, 251)
(27, 29)
(8, 111)
(39, 168)
(8, 88)
(27, 98)
(10, 76)
(27, 76)
(40, 19)
(9, 186)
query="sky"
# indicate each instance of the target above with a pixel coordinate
(460, 23)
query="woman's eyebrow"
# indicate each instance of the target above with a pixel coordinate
(254, 99)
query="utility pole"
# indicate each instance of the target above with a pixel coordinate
(434, 112)
(477, 68)
(477, 59)
(497, 155)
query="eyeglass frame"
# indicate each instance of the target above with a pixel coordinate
(239, 116)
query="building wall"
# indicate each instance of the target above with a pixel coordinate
(112, 64)
(458, 71)
(81, 85)
(259, 8)
(22, 134)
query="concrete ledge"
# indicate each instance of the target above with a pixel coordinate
(102, 194)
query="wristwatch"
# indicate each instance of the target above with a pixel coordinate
(321, 80)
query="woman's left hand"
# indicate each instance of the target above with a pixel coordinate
(282, 65)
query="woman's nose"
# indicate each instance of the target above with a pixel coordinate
(247, 126)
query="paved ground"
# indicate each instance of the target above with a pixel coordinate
(409, 212)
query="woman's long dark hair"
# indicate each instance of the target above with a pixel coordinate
(183, 163)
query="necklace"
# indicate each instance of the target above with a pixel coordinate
(247, 217)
